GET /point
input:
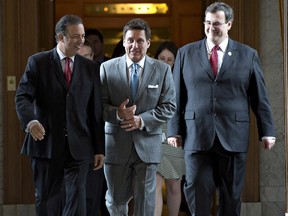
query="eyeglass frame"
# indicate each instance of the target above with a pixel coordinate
(215, 24)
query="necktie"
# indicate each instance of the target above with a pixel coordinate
(134, 81)
(67, 71)
(214, 60)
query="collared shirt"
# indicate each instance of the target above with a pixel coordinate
(220, 51)
(130, 63)
(62, 57)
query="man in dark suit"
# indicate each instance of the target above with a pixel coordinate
(63, 120)
(133, 119)
(213, 111)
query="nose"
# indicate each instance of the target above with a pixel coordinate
(135, 44)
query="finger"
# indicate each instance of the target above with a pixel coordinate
(98, 165)
(124, 103)
(124, 126)
(134, 109)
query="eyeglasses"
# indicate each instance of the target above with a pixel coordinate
(215, 24)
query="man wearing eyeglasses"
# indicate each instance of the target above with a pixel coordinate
(217, 81)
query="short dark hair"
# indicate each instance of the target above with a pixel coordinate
(61, 25)
(137, 24)
(221, 6)
(171, 46)
(96, 32)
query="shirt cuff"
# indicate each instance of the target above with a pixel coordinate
(27, 130)
(268, 137)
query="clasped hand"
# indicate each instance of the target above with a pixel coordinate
(129, 121)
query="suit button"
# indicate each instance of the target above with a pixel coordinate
(214, 115)
(215, 99)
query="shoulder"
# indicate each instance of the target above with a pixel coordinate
(241, 46)
(156, 62)
(42, 55)
(113, 61)
(191, 45)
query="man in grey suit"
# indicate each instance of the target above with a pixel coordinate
(213, 110)
(133, 124)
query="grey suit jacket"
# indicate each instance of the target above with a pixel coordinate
(155, 101)
(207, 106)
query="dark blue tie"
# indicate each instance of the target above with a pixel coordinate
(134, 81)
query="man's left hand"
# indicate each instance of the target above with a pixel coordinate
(98, 161)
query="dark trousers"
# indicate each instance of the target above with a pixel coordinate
(49, 177)
(208, 170)
(95, 192)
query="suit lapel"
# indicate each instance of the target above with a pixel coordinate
(229, 56)
(202, 57)
(148, 70)
(76, 70)
(123, 76)
(57, 68)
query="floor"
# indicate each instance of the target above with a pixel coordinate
(165, 207)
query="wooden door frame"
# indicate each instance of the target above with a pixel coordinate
(26, 30)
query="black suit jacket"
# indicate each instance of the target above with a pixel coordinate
(207, 106)
(42, 95)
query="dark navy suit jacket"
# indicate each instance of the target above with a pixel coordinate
(207, 106)
(42, 95)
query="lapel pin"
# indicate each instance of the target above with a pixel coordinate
(229, 53)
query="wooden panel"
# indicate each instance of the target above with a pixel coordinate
(193, 29)
(12, 158)
(20, 40)
(187, 18)
(63, 9)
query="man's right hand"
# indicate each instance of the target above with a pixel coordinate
(37, 131)
(126, 113)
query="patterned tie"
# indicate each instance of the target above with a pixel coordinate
(67, 71)
(134, 81)
(214, 60)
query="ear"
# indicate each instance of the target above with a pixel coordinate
(60, 36)
(229, 25)
(148, 43)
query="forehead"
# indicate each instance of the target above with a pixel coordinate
(75, 29)
(135, 33)
(219, 15)
(166, 53)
